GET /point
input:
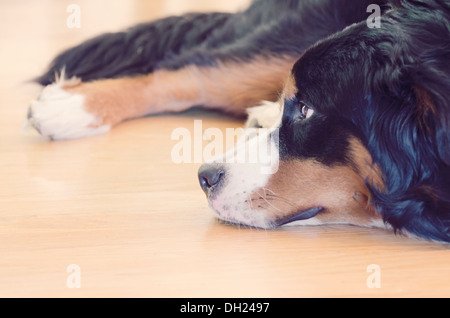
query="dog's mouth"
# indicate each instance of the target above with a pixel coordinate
(300, 216)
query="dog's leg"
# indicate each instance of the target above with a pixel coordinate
(135, 51)
(71, 109)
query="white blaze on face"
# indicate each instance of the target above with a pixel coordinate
(248, 167)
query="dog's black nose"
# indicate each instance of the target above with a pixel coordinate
(210, 176)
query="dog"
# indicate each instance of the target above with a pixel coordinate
(357, 115)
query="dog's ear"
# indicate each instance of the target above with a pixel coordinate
(419, 126)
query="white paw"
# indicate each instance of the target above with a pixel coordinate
(58, 114)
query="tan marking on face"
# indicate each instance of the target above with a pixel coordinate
(290, 88)
(300, 185)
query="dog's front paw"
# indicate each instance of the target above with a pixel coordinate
(59, 114)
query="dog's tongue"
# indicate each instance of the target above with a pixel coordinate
(303, 215)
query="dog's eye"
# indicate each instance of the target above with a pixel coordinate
(305, 111)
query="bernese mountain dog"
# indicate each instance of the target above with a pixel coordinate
(356, 105)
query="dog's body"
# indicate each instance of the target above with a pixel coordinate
(359, 116)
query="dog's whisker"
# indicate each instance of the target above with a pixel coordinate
(274, 207)
(271, 192)
(284, 200)
(249, 202)
(281, 199)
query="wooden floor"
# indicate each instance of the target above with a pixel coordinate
(115, 214)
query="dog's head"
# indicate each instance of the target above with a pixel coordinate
(362, 137)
